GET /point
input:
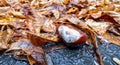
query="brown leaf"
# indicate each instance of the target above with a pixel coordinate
(18, 14)
(109, 7)
(102, 29)
(4, 9)
(36, 53)
(31, 60)
(112, 38)
(29, 22)
(72, 10)
(56, 13)
(108, 18)
(3, 2)
(97, 15)
(113, 14)
(41, 39)
(48, 26)
(99, 27)
(5, 37)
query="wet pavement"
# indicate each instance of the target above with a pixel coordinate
(66, 56)
(84, 55)
(8, 59)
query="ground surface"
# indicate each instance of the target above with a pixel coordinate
(81, 56)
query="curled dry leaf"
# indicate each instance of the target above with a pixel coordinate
(42, 38)
(36, 53)
(99, 27)
(72, 10)
(11, 2)
(37, 16)
(108, 18)
(5, 37)
(56, 13)
(18, 14)
(82, 13)
(3, 2)
(63, 2)
(109, 7)
(75, 20)
(113, 14)
(48, 26)
(112, 38)
(114, 29)
(30, 23)
(4, 9)
(105, 29)
(97, 15)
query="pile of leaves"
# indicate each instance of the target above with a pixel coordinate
(27, 25)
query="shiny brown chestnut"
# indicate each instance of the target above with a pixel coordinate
(71, 36)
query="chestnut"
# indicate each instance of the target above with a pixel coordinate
(71, 36)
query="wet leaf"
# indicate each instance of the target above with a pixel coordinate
(56, 13)
(99, 27)
(3, 2)
(36, 53)
(72, 10)
(36, 21)
(108, 18)
(112, 38)
(18, 14)
(48, 26)
(65, 1)
(42, 39)
(5, 37)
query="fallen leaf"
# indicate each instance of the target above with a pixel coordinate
(72, 10)
(108, 18)
(100, 27)
(48, 26)
(18, 14)
(56, 13)
(97, 15)
(5, 37)
(36, 53)
(112, 38)
(3, 2)
(4, 9)
(42, 39)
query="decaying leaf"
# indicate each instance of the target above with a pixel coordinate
(5, 37)
(42, 38)
(99, 27)
(36, 53)
(108, 18)
(112, 38)
(48, 26)
(104, 29)
(31, 60)
(4, 9)
(18, 14)
(115, 15)
(3, 2)
(72, 10)
(56, 13)
(37, 20)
